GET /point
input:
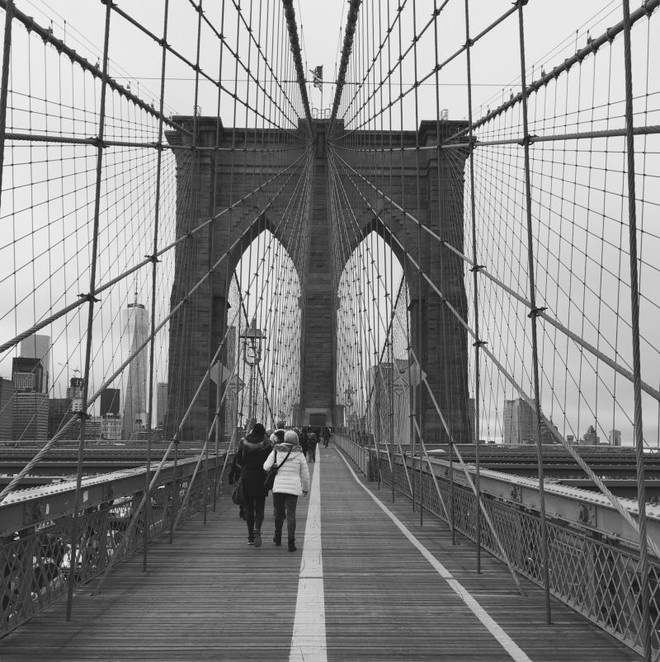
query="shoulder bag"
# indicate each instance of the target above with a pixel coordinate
(272, 472)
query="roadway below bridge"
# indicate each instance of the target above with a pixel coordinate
(616, 466)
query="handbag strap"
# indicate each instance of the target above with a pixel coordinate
(284, 460)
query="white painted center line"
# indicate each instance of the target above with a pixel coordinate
(486, 619)
(308, 641)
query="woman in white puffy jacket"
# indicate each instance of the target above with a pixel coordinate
(291, 481)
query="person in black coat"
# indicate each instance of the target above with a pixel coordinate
(252, 452)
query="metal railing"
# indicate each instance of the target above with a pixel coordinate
(37, 526)
(592, 572)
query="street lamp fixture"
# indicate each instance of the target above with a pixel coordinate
(252, 340)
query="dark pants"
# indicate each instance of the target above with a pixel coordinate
(254, 513)
(285, 503)
(255, 499)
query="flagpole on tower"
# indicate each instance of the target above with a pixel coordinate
(317, 80)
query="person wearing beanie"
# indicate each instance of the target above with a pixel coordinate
(252, 452)
(291, 481)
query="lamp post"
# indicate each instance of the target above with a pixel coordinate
(348, 401)
(252, 340)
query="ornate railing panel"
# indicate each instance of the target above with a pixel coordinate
(35, 557)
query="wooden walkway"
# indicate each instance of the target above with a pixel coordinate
(209, 596)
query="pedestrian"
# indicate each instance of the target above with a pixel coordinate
(291, 481)
(303, 439)
(326, 437)
(313, 443)
(253, 451)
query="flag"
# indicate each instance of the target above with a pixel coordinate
(317, 74)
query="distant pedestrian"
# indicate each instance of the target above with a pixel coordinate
(313, 443)
(303, 438)
(326, 437)
(252, 452)
(291, 481)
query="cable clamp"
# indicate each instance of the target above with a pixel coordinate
(477, 267)
(527, 140)
(535, 312)
(83, 415)
(479, 343)
(88, 297)
(152, 258)
(97, 142)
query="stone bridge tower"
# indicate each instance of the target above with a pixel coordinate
(211, 175)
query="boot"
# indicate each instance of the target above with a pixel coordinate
(277, 538)
(292, 545)
(257, 538)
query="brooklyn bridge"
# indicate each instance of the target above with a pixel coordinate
(427, 229)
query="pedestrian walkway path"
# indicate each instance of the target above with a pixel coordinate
(367, 583)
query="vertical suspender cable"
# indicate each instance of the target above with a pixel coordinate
(634, 294)
(194, 204)
(90, 315)
(154, 271)
(419, 309)
(475, 276)
(4, 90)
(533, 315)
(209, 248)
(418, 198)
(220, 395)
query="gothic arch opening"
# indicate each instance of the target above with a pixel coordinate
(262, 360)
(373, 328)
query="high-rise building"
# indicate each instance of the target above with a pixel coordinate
(134, 334)
(59, 413)
(28, 374)
(615, 437)
(6, 409)
(30, 416)
(75, 393)
(161, 403)
(110, 401)
(30, 402)
(520, 424)
(591, 436)
(38, 347)
(111, 427)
